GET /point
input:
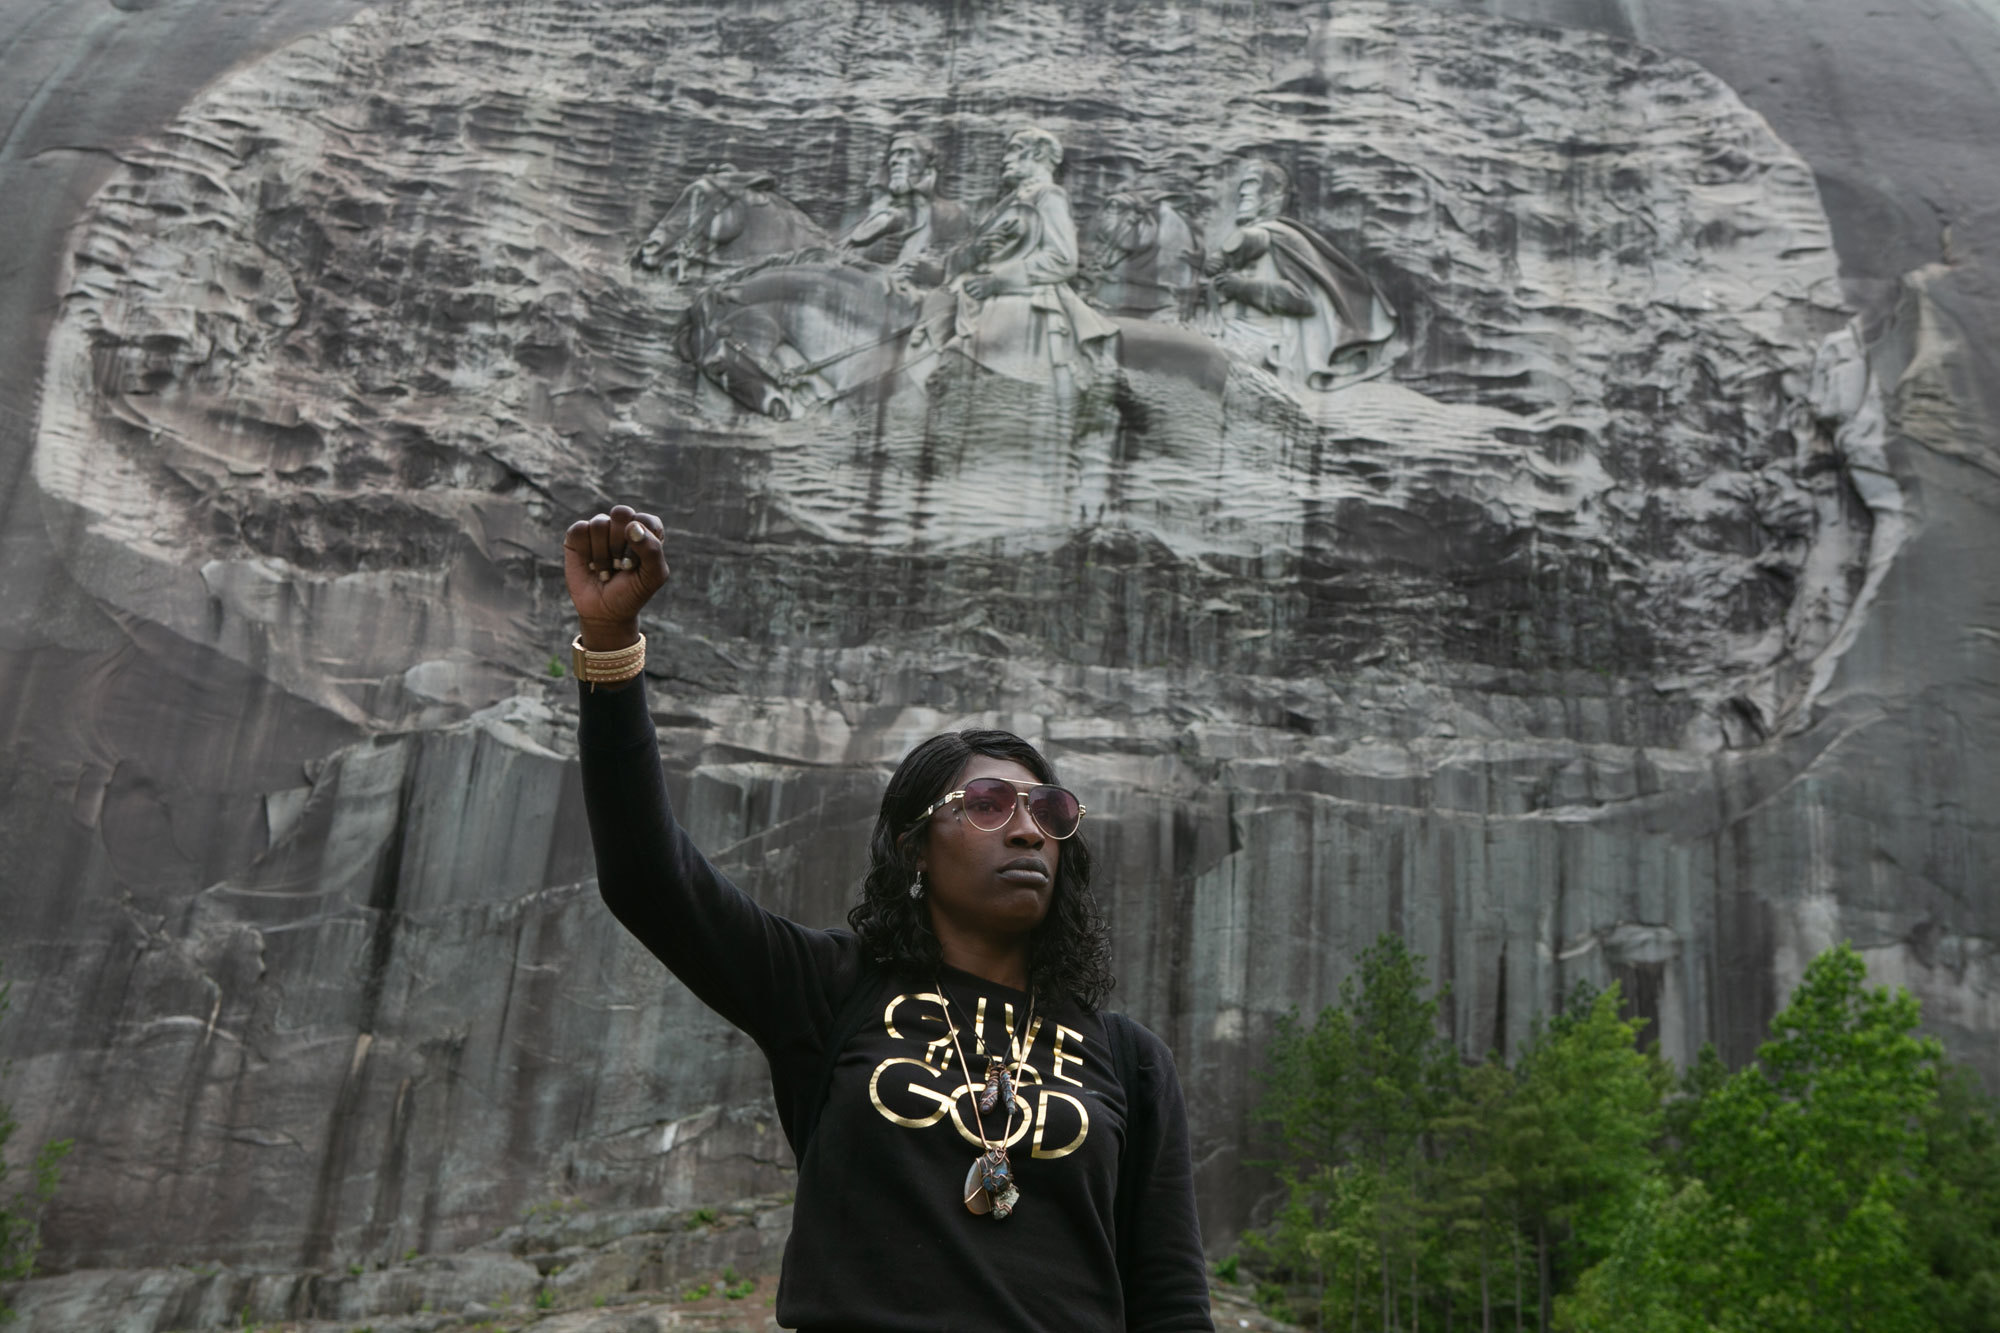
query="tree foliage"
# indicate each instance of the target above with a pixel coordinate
(1954, 1212)
(1352, 1098)
(1419, 1186)
(21, 1209)
(1843, 1180)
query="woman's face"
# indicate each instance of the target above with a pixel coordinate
(997, 883)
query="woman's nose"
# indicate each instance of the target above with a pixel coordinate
(1022, 830)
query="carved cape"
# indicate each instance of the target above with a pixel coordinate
(1036, 323)
(1347, 311)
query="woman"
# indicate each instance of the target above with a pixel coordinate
(978, 1147)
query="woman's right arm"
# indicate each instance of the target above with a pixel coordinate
(767, 975)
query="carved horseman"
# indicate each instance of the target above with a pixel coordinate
(1287, 299)
(904, 220)
(1144, 260)
(1012, 309)
(726, 219)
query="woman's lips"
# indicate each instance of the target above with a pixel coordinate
(1025, 870)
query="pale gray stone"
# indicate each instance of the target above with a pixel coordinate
(1628, 626)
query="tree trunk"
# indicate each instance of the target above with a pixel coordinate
(1542, 1269)
(1388, 1309)
(1355, 1304)
(1416, 1298)
(1485, 1291)
(1519, 1303)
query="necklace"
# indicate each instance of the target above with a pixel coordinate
(989, 1185)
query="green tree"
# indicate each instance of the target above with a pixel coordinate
(1684, 1107)
(1476, 1196)
(1664, 1268)
(1954, 1210)
(1581, 1135)
(21, 1211)
(1366, 1078)
(1352, 1098)
(1802, 1163)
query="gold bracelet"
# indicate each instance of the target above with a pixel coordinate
(607, 668)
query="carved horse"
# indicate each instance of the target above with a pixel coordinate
(790, 322)
(1142, 260)
(784, 336)
(726, 219)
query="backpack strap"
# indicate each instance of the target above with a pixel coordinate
(1121, 1033)
(856, 1007)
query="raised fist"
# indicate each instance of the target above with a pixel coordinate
(613, 564)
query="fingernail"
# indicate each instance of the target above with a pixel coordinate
(603, 576)
(593, 566)
(635, 532)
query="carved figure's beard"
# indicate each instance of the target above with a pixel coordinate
(1020, 174)
(1250, 215)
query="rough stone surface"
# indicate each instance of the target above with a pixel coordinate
(563, 1270)
(1631, 626)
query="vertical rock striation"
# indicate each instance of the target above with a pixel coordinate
(1536, 648)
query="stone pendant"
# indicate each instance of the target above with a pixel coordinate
(999, 1087)
(989, 1185)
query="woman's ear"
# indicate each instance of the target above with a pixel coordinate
(911, 845)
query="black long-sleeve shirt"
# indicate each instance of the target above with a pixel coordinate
(881, 1239)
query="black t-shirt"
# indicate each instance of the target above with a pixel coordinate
(881, 1238)
(900, 1131)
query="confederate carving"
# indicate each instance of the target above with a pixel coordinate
(789, 334)
(726, 219)
(805, 315)
(320, 386)
(1012, 310)
(1144, 260)
(904, 221)
(1286, 299)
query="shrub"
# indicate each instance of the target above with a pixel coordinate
(21, 1211)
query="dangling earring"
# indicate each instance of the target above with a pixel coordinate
(917, 887)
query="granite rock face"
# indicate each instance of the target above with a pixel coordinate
(1620, 628)
(561, 1270)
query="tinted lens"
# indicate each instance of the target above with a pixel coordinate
(989, 803)
(1055, 810)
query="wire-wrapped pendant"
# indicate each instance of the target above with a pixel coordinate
(999, 1087)
(989, 1185)
(976, 1200)
(996, 1173)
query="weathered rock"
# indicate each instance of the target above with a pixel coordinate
(1622, 629)
(562, 1259)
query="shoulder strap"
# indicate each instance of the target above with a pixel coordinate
(848, 1020)
(1121, 1034)
(1124, 1041)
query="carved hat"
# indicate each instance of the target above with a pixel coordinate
(1041, 143)
(1274, 181)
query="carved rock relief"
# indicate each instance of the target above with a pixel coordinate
(1476, 330)
(1447, 642)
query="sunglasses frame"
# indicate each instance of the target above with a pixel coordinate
(1023, 791)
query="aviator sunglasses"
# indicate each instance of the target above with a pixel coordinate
(989, 804)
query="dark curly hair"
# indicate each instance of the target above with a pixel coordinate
(1069, 953)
